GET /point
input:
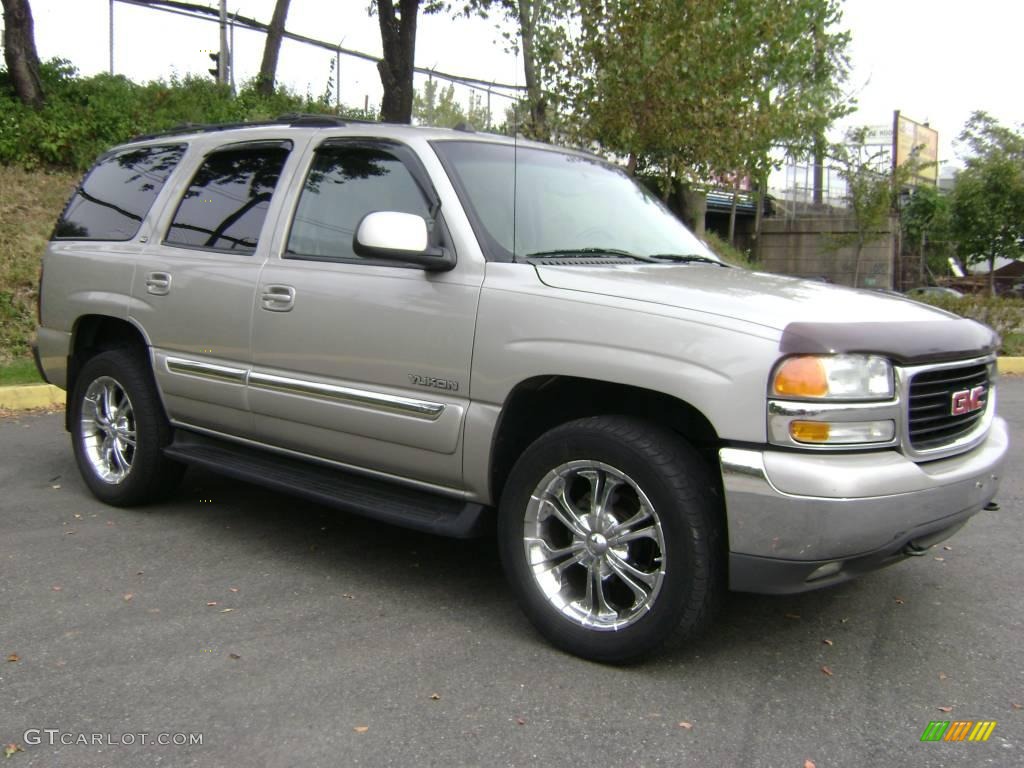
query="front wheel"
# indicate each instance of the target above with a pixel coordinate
(119, 431)
(609, 536)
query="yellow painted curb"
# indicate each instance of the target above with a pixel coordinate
(1011, 364)
(30, 396)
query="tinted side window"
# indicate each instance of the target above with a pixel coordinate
(226, 203)
(345, 183)
(116, 194)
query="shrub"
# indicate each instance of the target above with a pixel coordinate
(1004, 315)
(85, 116)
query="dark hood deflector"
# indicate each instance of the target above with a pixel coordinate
(913, 343)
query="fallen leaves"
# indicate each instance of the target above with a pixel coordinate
(948, 548)
(435, 697)
(899, 600)
(686, 725)
(827, 670)
(12, 657)
(234, 656)
(211, 603)
(809, 764)
(942, 675)
(792, 615)
(1015, 705)
(226, 610)
(826, 641)
(56, 588)
(128, 596)
(232, 589)
(56, 486)
(348, 596)
(520, 721)
(361, 728)
(10, 749)
(947, 710)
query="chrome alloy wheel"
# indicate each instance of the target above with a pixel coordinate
(108, 430)
(594, 545)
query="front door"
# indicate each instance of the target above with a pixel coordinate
(361, 361)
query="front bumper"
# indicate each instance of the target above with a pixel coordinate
(801, 521)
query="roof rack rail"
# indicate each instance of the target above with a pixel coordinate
(296, 119)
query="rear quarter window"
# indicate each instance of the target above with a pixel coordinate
(117, 193)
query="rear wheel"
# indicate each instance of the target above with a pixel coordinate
(119, 430)
(609, 535)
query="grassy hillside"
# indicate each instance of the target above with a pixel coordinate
(29, 205)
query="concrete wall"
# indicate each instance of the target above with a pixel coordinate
(801, 247)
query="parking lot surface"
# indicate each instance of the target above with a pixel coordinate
(285, 634)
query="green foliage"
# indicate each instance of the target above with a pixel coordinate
(1004, 315)
(436, 106)
(727, 252)
(701, 89)
(84, 116)
(926, 221)
(988, 199)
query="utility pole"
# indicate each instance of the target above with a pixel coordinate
(111, 36)
(222, 62)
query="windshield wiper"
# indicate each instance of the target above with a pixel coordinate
(573, 252)
(685, 258)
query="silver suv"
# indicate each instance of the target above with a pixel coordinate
(468, 335)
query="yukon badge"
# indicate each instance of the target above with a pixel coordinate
(968, 400)
(431, 381)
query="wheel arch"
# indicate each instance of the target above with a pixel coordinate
(541, 403)
(95, 333)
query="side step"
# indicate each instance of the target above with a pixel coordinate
(367, 496)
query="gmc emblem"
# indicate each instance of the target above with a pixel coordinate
(968, 400)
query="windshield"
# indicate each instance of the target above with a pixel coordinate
(564, 203)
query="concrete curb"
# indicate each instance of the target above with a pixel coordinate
(1011, 364)
(23, 397)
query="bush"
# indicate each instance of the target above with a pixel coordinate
(1004, 315)
(85, 116)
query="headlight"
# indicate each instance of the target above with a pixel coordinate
(833, 377)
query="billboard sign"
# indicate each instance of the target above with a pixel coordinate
(911, 139)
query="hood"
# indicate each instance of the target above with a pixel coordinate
(814, 318)
(756, 297)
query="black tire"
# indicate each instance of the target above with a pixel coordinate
(678, 486)
(150, 476)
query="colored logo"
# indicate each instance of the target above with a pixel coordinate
(968, 400)
(958, 730)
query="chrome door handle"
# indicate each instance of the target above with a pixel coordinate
(158, 283)
(277, 298)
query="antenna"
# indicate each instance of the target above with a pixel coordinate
(515, 153)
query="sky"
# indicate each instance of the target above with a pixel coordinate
(934, 60)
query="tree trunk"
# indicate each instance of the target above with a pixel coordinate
(732, 211)
(631, 163)
(528, 10)
(856, 263)
(271, 49)
(398, 39)
(991, 274)
(20, 52)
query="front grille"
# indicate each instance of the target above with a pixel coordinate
(931, 420)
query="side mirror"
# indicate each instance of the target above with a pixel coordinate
(400, 237)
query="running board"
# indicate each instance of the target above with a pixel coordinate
(366, 496)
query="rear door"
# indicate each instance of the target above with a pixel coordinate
(195, 284)
(356, 360)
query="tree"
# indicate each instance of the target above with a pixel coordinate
(703, 89)
(20, 52)
(871, 190)
(271, 49)
(437, 106)
(988, 198)
(925, 221)
(398, 40)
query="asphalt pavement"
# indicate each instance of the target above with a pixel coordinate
(280, 633)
